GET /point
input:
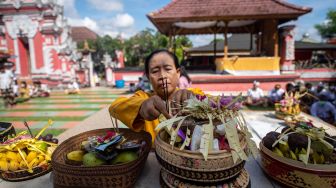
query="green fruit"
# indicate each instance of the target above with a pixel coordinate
(42, 146)
(76, 155)
(83, 144)
(278, 152)
(90, 159)
(292, 155)
(283, 146)
(125, 157)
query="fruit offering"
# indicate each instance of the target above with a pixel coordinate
(304, 142)
(24, 152)
(111, 149)
(289, 106)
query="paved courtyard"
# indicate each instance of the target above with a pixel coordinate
(66, 111)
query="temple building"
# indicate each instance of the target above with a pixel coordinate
(37, 35)
(261, 19)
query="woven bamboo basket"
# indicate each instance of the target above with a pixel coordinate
(168, 180)
(22, 175)
(122, 175)
(292, 173)
(9, 131)
(190, 165)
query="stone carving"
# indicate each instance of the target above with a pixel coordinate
(22, 25)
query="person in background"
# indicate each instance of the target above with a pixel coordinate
(184, 81)
(324, 110)
(255, 96)
(6, 81)
(275, 95)
(140, 85)
(24, 91)
(73, 88)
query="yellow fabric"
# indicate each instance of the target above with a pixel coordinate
(248, 64)
(126, 110)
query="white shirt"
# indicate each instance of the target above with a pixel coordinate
(5, 80)
(255, 94)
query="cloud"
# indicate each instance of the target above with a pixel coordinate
(121, 24)
(69, 8)
(123, 20)
(87, 22)
(107, 5)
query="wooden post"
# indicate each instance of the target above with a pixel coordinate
(215, 44)
(226, 41)
(251, 41)
(276, 43)
(170, 42)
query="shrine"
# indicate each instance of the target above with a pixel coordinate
(261, 19)
(37, 35)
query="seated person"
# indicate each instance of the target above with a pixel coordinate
(73, 88)
(255, 96)
(141, 111)
(275, 95)
(40, 90)
(324, 110)
(24, 90)
(140, 85)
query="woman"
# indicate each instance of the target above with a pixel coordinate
(141, 111)
(184, 81)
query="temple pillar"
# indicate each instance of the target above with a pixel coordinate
(287, 49)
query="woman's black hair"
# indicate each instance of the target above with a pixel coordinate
(184, 73)
(150, 56)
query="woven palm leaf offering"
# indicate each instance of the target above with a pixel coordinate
(207, 142)
(25, 156)
(301, 156)
(101, 158)
(289, 107)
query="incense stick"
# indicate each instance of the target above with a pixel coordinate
(26, 124)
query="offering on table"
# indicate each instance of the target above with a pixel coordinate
(210, 123)
(110, 149)
(304, 142)
(115, 157)
(25, 155)
(289, 106)
(206, 142)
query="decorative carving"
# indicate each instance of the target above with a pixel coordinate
(22, 25)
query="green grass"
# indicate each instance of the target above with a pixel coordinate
(43, 118)
(48, 109)
(70, 102)
(54, 132)
(259, 108)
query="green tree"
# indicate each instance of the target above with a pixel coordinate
(328, 30)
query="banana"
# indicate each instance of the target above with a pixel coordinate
(3, 165)
(33, 163)
(23, 165)
(40, 158)
(76, 155)
(2, 155)
(31, 156)
(13, 165)
(278, 152)
(11, 156)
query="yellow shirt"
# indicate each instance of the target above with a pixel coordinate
(126, 110)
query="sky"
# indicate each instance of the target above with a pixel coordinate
(127, 17)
